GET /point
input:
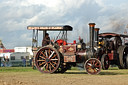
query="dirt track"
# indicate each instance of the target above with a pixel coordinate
(110, 77)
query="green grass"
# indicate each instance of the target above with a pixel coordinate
(74, 70)
(16, 69)
(22, 69)
(110, 71)
(113, 68)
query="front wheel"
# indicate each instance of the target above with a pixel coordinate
(93, 66)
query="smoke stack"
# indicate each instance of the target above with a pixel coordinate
(91, 29)
(96, 36)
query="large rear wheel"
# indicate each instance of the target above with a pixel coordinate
(92, 66)
(47, 59)
(122, 51)
(126, 66)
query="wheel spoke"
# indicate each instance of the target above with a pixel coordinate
(43, 54)
(40, 60)
(46, 53)
(95, 70)
(89, 69)
(43, 67)
(96, 63)
(42, 63)
(46, 66)
(52, 65)
(41, 57)
(93, 62)
(52, 54)
(54, 59)
(97, 66)
(89, 64)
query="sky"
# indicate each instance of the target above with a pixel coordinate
(16, 15)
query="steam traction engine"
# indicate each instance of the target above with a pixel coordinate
(112, 49)
(59, 56)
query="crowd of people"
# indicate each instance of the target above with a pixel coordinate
(5, 61)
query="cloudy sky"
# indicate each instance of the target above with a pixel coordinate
(16, 15)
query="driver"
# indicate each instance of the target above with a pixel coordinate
(46, 40)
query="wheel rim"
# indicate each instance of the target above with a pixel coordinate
(92, 66)
(47, 60)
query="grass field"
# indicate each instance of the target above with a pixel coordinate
(28, 76)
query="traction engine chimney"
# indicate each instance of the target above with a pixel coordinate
(91, 29)
(96, 36)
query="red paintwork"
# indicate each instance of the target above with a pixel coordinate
(69, 49)
(111, 56)
(70, 58)
(7, 50)
(61, 42)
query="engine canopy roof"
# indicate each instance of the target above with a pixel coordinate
(109, 35)
(50, 28)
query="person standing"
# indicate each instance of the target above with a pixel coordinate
(30, 61)
(6, 61)
(3, 62)
(24, 62)
(0, 62)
